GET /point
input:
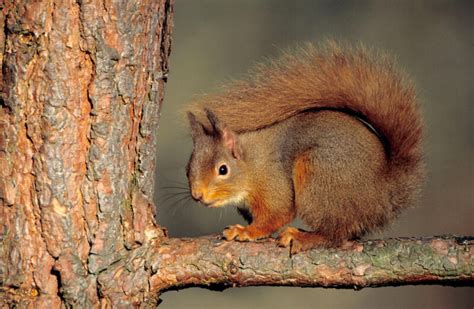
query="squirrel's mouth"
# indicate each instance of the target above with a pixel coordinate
(214, 204)
(222, 202)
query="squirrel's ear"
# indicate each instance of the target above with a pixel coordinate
(197, 128)
(231, 142)
(228, 137)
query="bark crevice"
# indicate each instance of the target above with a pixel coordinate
(214, 263)
(82, 85)
(73, 87)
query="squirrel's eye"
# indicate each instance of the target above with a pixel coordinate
(223, 169)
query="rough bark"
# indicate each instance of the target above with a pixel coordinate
(82, 84)
(81, 89)
(210, 261)
(403, 261)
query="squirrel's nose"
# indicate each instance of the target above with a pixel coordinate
(197, 195)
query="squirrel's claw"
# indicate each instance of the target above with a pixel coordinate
(286, 237)
(231, 232)
(298, 240)
(242, 233)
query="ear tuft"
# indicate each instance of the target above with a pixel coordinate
(215, 123)
(196, 127)
(228, 138)
(191, 117)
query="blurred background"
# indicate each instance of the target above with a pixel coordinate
(218, 40)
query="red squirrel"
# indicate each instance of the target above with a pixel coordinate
(329, 134)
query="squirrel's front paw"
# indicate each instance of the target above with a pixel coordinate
(242, 233)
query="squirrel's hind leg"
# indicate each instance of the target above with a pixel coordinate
(298, 240)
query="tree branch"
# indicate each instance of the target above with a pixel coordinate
(209, 261)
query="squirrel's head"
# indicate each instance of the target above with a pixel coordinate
(215, 169)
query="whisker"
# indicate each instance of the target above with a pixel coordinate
(171, 191)
(172, 195)
(178, 204)
(175, 182)
(178, 182)
(163, 194)
(181, 198)
(181, 188)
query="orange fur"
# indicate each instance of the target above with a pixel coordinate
(265, 221)
(301, 171)
(267, 217)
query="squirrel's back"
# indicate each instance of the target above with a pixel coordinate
(357, 80)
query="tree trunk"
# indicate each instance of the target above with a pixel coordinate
(82, 85)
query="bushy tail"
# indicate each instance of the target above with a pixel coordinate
(329, 77)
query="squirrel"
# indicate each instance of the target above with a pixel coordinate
(329, 134)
